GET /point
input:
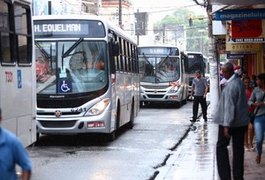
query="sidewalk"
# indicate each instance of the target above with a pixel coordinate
(195, 158)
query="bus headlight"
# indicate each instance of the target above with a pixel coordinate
(98, 108)
(173, 90)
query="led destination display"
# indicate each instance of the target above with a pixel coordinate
(80, 28)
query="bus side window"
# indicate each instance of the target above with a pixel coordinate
(6, 36)
(121, 54)
(23, 34)
(117, 58)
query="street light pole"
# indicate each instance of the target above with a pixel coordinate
(120, 13)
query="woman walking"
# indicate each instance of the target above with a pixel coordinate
(249, 134)
(257, 99)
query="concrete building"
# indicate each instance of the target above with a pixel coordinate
(125, 19)
(49, 7)
(237, 31)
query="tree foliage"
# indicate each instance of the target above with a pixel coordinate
(196, 34)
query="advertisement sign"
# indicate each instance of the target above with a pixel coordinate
(245, 31)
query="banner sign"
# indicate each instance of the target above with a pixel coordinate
(245, 31)
(239, 14)
(246, 28)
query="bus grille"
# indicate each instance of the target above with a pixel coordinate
(53, 113)
(57, 124)
(155, 96)
(154, 87)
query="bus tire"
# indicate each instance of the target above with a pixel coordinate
(184, 101)
(37, 136)
(131, 122)
(177, 104)
(111, 136)
(141, 104)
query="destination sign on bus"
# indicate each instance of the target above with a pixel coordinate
(158, 51)
(66, 28)
(194, 56)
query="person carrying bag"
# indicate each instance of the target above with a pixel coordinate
(252, 115)
(257, 100)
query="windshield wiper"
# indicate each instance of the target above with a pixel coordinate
(46, 55)
(67, 53)
(161, 62)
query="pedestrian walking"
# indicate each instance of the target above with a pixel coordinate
(257, 100)
(12, 153)
(232, 117)
(199, 91)
(249, 134)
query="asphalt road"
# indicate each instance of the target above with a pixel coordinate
(136, 154)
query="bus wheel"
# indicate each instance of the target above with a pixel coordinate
(111, 136)
(177, 104)
(184, 101)
(37, 136)
(141, 104)
(131, 122)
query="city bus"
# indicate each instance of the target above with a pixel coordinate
(17, 86)
(163, 78)
(87, 76)
(194, 61)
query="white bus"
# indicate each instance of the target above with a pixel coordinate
(87, 76)
(194, 61)
(163, 79)
(17, 87)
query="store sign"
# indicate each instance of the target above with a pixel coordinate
(243, 47)
(239, 14)
(234, 56)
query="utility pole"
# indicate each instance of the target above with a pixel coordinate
(49, 8)
(137, 32)
(164, 33)
(214, 64)
(120, 13)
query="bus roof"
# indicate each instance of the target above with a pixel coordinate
(108, 24)
(192, 52)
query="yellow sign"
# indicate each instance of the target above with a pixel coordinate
(243, 46)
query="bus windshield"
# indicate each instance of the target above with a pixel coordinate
(160, 69)
(195, 62)
(68, 67)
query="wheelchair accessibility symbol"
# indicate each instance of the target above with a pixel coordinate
(64, 86)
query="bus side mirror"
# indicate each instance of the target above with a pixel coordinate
(115, 49)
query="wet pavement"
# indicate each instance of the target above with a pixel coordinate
(195, 157)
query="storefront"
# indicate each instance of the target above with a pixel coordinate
(244, 38)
